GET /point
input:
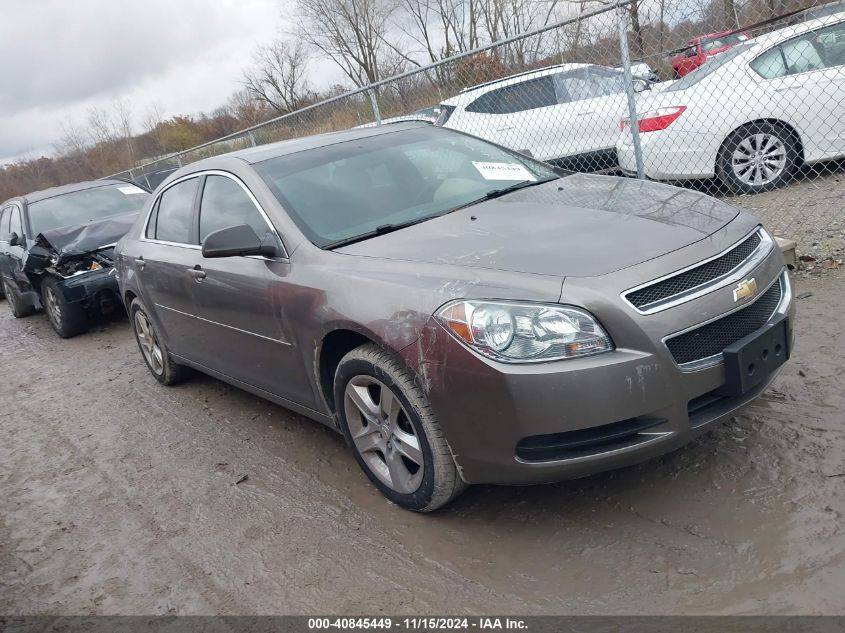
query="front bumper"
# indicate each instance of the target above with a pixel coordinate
(97, 289)
(611, 410)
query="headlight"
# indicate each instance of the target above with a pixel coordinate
(524, 332)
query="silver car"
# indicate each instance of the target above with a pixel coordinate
(460, 312)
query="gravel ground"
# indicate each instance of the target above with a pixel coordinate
(120, 496)
(810, 211)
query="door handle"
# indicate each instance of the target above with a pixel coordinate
(197, 273)
(504, 129)
(141, 263)
(584, 112)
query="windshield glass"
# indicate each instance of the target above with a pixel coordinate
(351, 189)
(82, 207)
(712, 64)
(722, 41)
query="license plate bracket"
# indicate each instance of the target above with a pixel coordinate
(750, 360)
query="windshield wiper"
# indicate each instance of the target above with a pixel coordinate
(498, 193)
(384, 229)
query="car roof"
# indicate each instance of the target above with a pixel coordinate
(775, 37)
(473, 92)
(52, 192)
(261, 153)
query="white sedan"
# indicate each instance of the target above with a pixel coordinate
(750, 116)
(567, 114)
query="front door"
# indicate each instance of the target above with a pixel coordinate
(238, 301)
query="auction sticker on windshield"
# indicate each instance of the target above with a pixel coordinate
(131, 189)
(503, 171)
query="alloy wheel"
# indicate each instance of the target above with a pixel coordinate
(148, 342)
(759, 159)
(54, 308)
(383, 435)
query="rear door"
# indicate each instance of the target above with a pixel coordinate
(521, 116)
(598, 102)
(807, 78)
(240, 302)
(170, 253)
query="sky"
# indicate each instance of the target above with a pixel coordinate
(60, 57)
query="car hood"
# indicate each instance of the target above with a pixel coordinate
(79, 239)
(581, 225)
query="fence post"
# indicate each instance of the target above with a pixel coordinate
(622, 22)
(252, 138)
(374, 104)
(179, 161)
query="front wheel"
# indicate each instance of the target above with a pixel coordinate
(392, 430)
(757, 157)
(68, 319)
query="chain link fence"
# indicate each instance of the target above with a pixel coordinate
(731, 98)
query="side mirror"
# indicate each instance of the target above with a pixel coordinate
(640, 85)
(240, 239)
(14, 240)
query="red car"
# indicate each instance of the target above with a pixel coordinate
(702, 48)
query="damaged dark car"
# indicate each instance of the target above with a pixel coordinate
(57, 248)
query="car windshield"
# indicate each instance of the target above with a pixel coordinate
(712, 64)
(353, 190)
(81, 207)
(722, 41)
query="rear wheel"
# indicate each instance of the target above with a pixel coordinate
(16, 304)
(757, 157)
(153, 350)
(68, 319)
(393, 432)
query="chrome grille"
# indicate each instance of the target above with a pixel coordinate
(712, 338)
(695, 277)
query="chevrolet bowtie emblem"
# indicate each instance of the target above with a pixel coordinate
(745, 289)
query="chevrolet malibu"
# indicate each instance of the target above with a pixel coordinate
(461, 313)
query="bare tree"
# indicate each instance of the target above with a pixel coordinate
(279, 75)
(351, 33)
(247, 109)
(152, 125)
(441, 28)
(123, 124)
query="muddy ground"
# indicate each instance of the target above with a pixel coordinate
(119, 496)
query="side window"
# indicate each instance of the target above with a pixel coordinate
(175, 212)
(820, 49)
(606, 82)
(801, 56)
(528, 95)
(224, 204)
(578, 85)
(15, 224)
(4, 222)
(770, 64)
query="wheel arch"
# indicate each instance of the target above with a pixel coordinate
(790, 129)
(334, 345)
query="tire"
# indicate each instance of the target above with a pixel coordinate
(153, 351)
(392, 429)
(757, 157)
(13, 298)
(68, 319)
